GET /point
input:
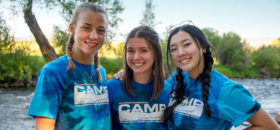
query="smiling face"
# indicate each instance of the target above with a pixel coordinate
(89, 33)
(186, 53)
(139, 56)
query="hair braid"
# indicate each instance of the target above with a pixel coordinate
(96, 66)
(205, 80)
(69, 50)
(179, 94)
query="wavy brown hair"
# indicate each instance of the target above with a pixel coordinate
(152, 38)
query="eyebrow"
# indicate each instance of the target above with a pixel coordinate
(87, 23)
(140, 47)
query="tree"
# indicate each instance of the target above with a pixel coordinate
(113, 8)
(30, 19)
(267, 60)
(232, 51)
(6, 40)
(212, 36)
(148, 16)
(276, 42)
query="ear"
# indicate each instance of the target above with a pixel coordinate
(72, 28)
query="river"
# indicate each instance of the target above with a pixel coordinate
(15, 102)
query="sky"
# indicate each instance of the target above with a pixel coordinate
(257, 21)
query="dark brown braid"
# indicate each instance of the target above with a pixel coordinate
(205, 81)
(69, 50)
(179, 94)
(96, 66)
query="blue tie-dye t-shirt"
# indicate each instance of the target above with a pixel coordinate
(230, 104)
(69, 98)
(139, 112)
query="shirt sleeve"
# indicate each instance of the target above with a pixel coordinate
(236, 104)
(47, 96)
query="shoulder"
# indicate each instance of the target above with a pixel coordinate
(229, 90)
(220, 80)
(56, 66)
(172, 77)
(113, 82)
(167, 87)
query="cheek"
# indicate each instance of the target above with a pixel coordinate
(173, 57)
(101, 38)
(128, 57)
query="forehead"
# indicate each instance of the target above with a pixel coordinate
(180, 37)
(92, 18)
(137, 43)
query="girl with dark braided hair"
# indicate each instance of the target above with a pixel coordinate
(71, 91)
(202, 98)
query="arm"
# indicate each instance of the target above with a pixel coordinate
(44, 123)
(261, 120)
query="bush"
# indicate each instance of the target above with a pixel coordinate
(267, 60)
(111, 65)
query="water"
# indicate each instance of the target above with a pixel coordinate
(15, 102)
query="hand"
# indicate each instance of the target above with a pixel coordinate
(119, 75)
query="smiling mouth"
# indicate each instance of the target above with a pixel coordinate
(184, 61)
(91, 44)
(138, 64)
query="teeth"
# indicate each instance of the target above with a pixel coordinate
(138, 64)
(184, 61)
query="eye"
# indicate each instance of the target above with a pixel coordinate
(187, 44)
(87, 28)
(130, 50)
(173, 49)
(101, 31)
(144, 50)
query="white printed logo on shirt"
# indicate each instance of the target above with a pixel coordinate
(90, 94)
(189, 107)
(131, 112)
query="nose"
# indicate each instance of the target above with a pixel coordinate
(136, 55)
(93, 34)
(181, 51)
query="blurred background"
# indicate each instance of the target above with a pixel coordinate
(245, 34)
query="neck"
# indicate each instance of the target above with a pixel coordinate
(143, 78)
(83, 58)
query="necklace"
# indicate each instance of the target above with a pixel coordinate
(90, 76)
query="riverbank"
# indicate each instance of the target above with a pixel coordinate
(14, 102)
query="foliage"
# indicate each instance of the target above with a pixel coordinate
(212, 36)
(111, 50)
(276, 42)
(246, 72)
(111, 65)
(267, 60)
(232, 51)
(148, 16)
(6, 41)
(60, 39)
(16, 65)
